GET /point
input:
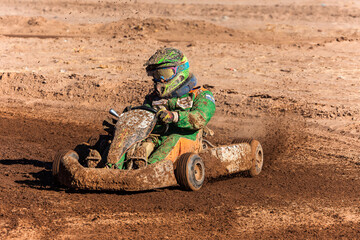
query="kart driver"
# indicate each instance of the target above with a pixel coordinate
(185, 107)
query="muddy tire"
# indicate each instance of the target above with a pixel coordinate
(57, 160)
(257, 157)
(190, 172)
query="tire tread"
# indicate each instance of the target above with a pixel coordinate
(182, 179)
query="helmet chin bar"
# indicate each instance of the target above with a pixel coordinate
(160, 88)
(178, 91)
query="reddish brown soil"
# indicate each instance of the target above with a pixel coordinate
(285, 73)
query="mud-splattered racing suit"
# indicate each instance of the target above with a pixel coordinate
(194, 109)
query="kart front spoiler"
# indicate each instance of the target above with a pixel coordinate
(73, 175)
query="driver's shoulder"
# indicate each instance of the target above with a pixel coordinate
(200, 91)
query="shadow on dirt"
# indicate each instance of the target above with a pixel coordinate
(42, 180)
(24, 161)
(39, 180)
(117, 192)
(244, 174)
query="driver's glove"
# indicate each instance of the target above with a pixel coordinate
(167, 116)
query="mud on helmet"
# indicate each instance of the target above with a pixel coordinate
(170, 70)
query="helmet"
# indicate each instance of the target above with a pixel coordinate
(170, 70)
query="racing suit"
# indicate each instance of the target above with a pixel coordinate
(194, 109)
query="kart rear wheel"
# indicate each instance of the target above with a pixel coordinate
(57, 159)
(257, 157)
(190, 172)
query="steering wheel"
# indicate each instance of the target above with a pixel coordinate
(143, 108)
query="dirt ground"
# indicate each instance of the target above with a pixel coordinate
(284, 72)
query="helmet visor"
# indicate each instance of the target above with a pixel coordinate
(164, 74)
(167, 73)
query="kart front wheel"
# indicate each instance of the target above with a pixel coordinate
(190, 172)
(57, 159)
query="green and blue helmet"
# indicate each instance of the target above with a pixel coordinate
(170, 70)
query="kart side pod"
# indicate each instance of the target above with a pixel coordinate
(189, 171)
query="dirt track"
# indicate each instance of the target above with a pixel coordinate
(284, 72)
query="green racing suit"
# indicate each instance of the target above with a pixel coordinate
(195, 109)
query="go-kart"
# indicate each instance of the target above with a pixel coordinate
(103, 162)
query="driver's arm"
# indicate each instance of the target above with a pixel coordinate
(200, 114)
